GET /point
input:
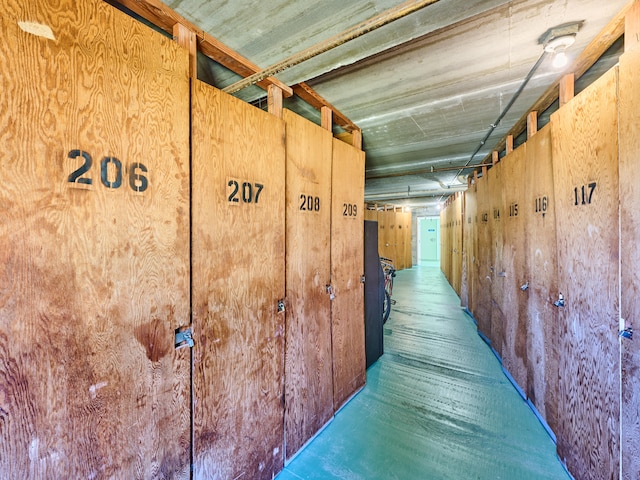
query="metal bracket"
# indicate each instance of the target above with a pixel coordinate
(281, 306)
(183, 337)
(560, 302)
(525, 287)
(362, 279)
(627, 333)
(330, 292)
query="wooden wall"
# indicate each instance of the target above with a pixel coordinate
(556, 220)
(542, 280)
(238, 278)
(347, 269)
(308, 373)
(630, 253)
(514, 269)
(94, 246)
(585, 173)
(136, 202)
(395, 234)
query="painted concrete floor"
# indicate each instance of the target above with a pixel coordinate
(436, 405)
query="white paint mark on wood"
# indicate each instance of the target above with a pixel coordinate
(93, 389)
(37, 29)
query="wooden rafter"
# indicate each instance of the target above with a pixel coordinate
(309, 95)
(165, 18)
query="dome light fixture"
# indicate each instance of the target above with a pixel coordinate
(556, 40)
(557, 47)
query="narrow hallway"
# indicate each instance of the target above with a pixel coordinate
(436, 405)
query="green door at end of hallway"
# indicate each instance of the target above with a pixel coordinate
(429, 240)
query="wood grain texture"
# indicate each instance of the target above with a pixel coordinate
(347, 268)
(496, 268)
(515, 265)
(238, 278)
(585, 151)
(456, 237)
(401, 240)
(469, 232)
(387, 225)
(371, 215)
(408, 246)
(542, 316)
(93, 280)
(308, 371)
(630, 255)
(483, 274)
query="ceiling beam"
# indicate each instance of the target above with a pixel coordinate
(369, 25)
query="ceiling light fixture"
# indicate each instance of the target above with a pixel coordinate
(557, 39)
(554, 41)
(557, 47)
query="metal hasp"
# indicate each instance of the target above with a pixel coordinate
(627, 333)
(183, 338)
(560, 302)
(330, 292)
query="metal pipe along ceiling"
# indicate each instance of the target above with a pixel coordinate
(356, 31)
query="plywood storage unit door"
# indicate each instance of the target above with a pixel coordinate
(585, 174)
(630, 254)
(347, 268)
(238, 278)
(308, 371)
(94, 245)
(495, 271)
(401, 240)
(483, 274)
(408, 256)
(542, 317)
(456, 241)
(515, 266)
(469, 242)
(387, 218)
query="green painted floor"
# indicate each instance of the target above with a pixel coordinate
(436, 405)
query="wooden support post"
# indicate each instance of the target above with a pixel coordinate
(274, 100)
(495, 157)
(475, 175)
(632, 28)
(509, 144)
(532, 124)
(357, 138)
(326, 115)
(567, 88)
(187, 39)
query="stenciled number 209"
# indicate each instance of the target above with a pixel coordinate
(110, 179)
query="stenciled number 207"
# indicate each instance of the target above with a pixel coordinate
(110, 177)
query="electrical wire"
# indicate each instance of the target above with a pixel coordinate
(495, 124)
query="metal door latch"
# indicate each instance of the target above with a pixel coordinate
(183, 338)
(330, 292)
(627, 333)
(560, 302)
